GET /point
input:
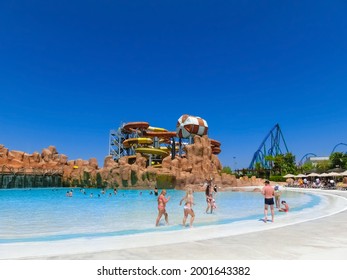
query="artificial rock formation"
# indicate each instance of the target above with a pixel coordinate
(49, 161)
(198, 165)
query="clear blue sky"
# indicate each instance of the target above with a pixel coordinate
(72, 70)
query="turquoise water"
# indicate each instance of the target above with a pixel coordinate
(48, 214)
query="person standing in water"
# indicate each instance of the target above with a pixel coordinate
(209, 198)
(162, 200)
(268, 193)
(188, 207)
(277, 196)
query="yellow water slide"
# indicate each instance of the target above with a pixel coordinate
(153, 151)
(137, 141)
(144, 143)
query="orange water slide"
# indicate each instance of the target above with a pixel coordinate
(133, 126)
(160, 134)
(215, 145)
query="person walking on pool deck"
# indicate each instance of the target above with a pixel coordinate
(268, 193)
(188, 207)
(162, 200)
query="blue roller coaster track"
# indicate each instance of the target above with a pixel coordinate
(272, 145)
(340, 144)
(305, 157)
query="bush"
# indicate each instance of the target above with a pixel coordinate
(133, 178)
(125, 183)
(165, 181)
(227, 170)
(150, 176)
(277, 178)
(98, 180)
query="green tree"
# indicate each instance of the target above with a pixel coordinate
(280, 165)
(260, 172)
(289, 165)
(338, 160)
(323, 166)
(307, 167)
(227, 170)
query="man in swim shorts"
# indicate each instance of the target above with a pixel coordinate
(268, 193)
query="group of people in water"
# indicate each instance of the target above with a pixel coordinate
(272, 197)
(188, 201)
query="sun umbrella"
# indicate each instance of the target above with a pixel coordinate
(289, 176)
(300, 176)
(313, 175)
(344, 173)
(334, 174)
(337, 169)
(324, 175)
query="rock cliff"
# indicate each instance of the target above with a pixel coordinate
(198, 165)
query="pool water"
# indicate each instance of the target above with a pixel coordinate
(47, 214)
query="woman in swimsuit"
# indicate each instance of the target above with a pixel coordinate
(277, 196)
(162, 200)
(188, 207)
(209, 198)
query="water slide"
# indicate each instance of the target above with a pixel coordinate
(152, 151)
(137, 141)
(149, 138)
(144, 144)
(160, 134)
(132, 127)
(215, 145)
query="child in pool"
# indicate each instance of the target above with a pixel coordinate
(285, 207)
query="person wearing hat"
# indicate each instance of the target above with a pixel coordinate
(277, 196)
(268, 193)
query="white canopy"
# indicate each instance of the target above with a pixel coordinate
(335, 174)
(300, 176)
(289, 176)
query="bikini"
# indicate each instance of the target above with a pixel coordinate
(187, 207)
(163, 200)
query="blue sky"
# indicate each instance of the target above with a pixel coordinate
(72, 70)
